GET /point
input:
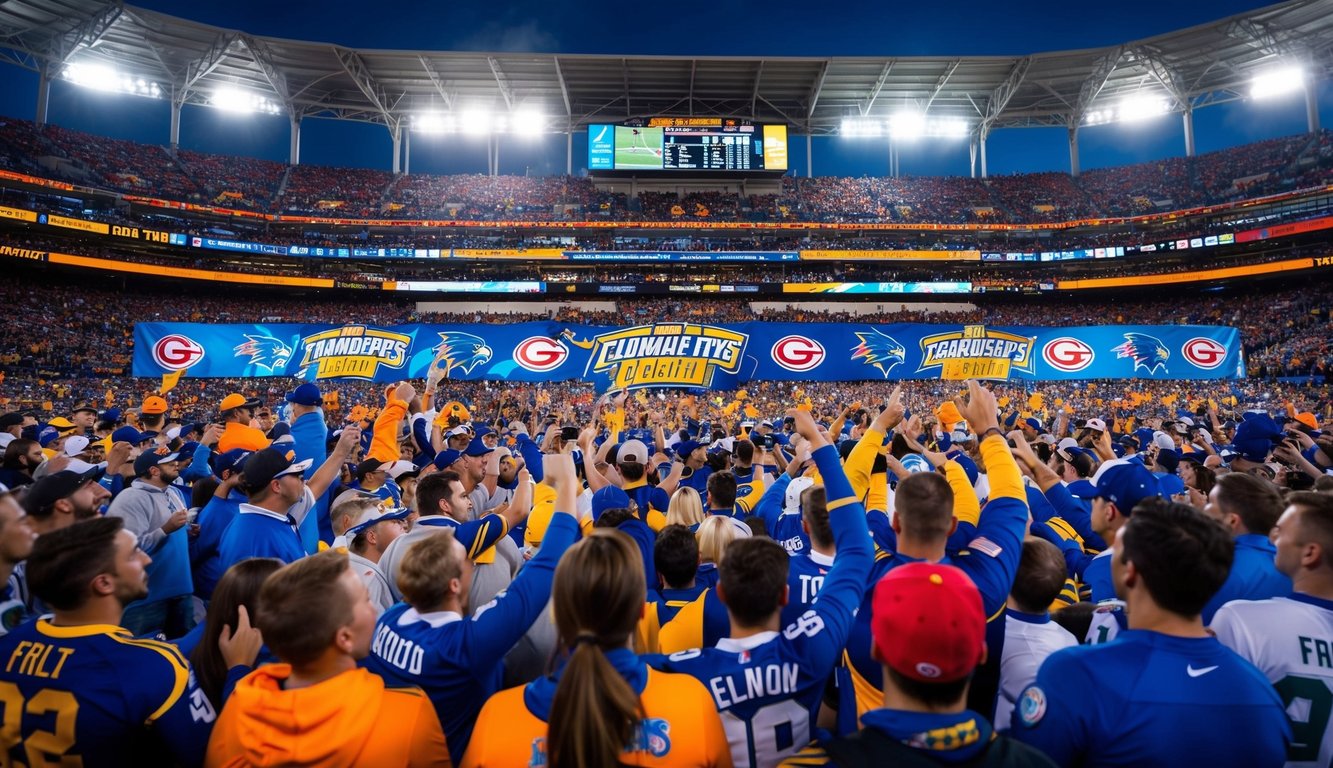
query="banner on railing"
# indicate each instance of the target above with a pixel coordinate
(684, 354)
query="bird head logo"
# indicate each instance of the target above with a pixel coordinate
(1148, 352)
(462, 351)
(878, 349)
(265, 352)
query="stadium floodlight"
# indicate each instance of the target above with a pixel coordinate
(1141, 106)
(528, 122)
(434, 122)
(948, 128)
(102, 77)
(907, 125)
(862, 127)
(477, 122)
(242, 102)
(1277, 82)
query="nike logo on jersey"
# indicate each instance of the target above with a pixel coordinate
(1192, 672)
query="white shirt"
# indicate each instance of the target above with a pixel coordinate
(1028, 640)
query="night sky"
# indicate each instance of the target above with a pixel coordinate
(774, 28)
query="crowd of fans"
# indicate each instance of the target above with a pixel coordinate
(1266, 167)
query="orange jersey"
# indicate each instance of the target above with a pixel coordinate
(348, 720)
(682, 729)
(238, 435)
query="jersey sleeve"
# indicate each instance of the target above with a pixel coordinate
(165, 692)
(769, 506)
(991, 559)
(495, 627)
(823, 635)
(1230, 630)
(479, 535)
(861, 462)
(384, 443)
(1056, 713)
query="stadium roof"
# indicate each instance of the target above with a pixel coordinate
(1206, 64)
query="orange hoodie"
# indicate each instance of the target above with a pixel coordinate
(347, 720)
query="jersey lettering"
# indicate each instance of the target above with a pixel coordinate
(810, 587)
(768, 680)
(810, 624)
(398, 651)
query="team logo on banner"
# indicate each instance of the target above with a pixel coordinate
(177, 352)
(977, 352)
(798, 353)
(665, 354)
(1067, 354)
(463, 351)
(265, 352)
(1147, 352)
(353, 352)
(540, 354)
(878, 349)
(1205, 353)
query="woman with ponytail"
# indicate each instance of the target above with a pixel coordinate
(602, 707)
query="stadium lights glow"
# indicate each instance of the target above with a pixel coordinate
(528, 122)
(244, 102)
(432, 122)
(1130, 109)
(862, 127)
(1277, 82)
(102, 77)
(907, 125)
(477, 122)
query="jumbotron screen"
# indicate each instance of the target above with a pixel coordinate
(687, 144)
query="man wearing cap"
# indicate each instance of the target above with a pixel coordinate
(371, 476)
(1166, 692)
(11, 426)
(278, 500)
(53, 436)
(374, 529)
(929, 635)
(62, 499)
(153, 414)
(1115, 490)
(84, 417)
(311, 436)
(156, 513)
(693, 456)
(802, 653)
(1248, 508)
(236, 412)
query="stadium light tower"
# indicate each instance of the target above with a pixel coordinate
(235, 100)
(1141, 106)
(103, 77)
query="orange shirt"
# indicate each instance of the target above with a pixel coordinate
(348, 720)
(238, 435)
(682, 729)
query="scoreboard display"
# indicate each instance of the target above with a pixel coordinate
(687, 144)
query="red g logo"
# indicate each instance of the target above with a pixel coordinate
(540, 354)
(176, 352)
(798, 353)
(1067, 354)
(1205, 353)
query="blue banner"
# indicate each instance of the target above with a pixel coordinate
(689, 354)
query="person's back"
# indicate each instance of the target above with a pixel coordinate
(351, 719)
(76, 690)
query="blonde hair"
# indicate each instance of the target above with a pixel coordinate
(715, 533)
(686, 508)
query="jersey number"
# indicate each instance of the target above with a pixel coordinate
(772, 733)
(1306, 735)
(43, 748)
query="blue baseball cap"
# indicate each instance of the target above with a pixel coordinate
(230, 460)
(477, 448)
(1123, 482)
(445, 458)
(609, 497)
(149, 459)
(1168, 459)
(111, 414)
(129, 435)
(306, 394)
(686, 447)
(375, 516)
(1035, 424)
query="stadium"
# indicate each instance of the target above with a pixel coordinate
(1008, 428)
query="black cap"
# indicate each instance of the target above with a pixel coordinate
(10, 420)
(85, 407)
(263, 467)
(369, 465)
(43, 494)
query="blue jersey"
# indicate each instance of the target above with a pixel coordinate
(205, 560)
(1148, 699)
(805, 575)
(261, 533)
(768, 687)
(93, 695)
(668, 602)
(456, 660)
(1253, 575)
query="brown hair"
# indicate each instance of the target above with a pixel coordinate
(1255, 502)
(426, 569)
(301, 607)
(923, 503)
(598, 595)
(64, 562)
(814, 511)
(239, 586)
(1040, 577)
(753, 578)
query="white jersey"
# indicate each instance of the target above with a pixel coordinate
(1028, 640)
(1290, 640)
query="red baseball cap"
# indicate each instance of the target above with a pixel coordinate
(928, 623)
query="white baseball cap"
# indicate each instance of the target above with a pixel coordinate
(1097, 425)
